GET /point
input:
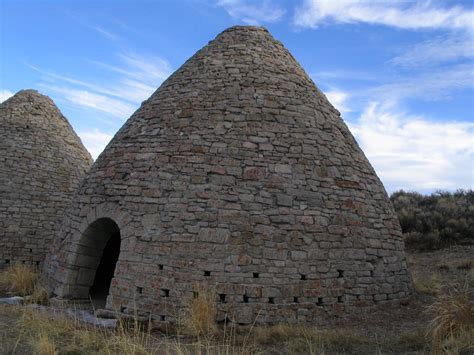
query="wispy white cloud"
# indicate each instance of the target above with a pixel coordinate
(433, 85)
(138, 77)
(95, 141)
(103, 32)
(438, 50)
(106, 33)
(415, 153)
(400, 14)
(252, 12)
(148, 69)
(408, 151)
(51, 76)
(5, 94)
(345, 75)
(338, 99)
(87, 99)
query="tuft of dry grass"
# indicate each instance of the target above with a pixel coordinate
(453, 318)
(427, 284)
(463, 264)
(39, 296)
(306, 339)
(276, 333)
(43, 332)
(199, 318)
(42, 345)
(52, 333)
(405, 341)
(20, 279)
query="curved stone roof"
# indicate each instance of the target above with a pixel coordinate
(238, 172)
(42, 162)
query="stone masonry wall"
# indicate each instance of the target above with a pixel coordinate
(42, 162)
(239, 175)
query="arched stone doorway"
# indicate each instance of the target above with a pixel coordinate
(97, 255)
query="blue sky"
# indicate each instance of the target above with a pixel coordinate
(401, 72)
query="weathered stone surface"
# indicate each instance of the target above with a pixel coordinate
(42, 162)
(259, 189)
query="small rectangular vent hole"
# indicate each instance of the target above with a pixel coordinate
(7, 261)
(340, 274)
(162, 318)
(303, 277)
(139, 290)
(246, 299)
(296, 300)
(222, 298)
(255, 275)
(164, 292)
(207, 273)
(339, 299)
(320, 301)
(160, 266)
(122, 309)
(271, 300)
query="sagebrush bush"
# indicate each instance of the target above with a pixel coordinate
(435, 221)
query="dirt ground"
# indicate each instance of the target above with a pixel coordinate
(396, 329)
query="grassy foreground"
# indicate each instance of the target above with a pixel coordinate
(439, 320)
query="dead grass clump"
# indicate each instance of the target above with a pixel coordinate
(342, 340)
(63, 334)
(463, 264)
(413, 340)
(39, 296)
(427, 285)
(20, 279)
(462, 344)
(295, 338)
(199, 318)
(305, 339)
(453, 318)
(52, 333)
(43, 345)
(275, 334)
(131, 337)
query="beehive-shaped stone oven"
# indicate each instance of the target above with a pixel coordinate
(237, 173)
(42, 162)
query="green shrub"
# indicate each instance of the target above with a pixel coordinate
(435, 221)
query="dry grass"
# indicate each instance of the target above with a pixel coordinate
(427, 284)
(305, 339)
(39, 296)
(20, 279)
(37, 328)
(52, 333)
(199, 318)
(43, 345)
(55, 333)
(463, 264)
(405, 341)
(453, 319)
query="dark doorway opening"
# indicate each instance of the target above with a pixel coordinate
(105, 271)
